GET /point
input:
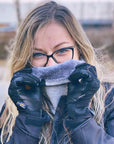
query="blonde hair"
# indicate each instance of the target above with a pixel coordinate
(21, 48)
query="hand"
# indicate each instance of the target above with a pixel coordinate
(84, 84)
(25, 92)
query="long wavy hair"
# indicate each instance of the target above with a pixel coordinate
(22, 49)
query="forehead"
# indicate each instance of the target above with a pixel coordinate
(51, 34)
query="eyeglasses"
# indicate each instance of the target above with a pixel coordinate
(39, 59)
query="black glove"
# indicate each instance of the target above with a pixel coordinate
(25, 92)
(84, 84)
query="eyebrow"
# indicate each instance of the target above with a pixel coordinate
(54, 46)
(60, 44)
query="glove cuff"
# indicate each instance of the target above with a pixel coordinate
(31, 125)
(78, 119)
(37, 119)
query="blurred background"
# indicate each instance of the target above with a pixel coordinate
(96, 17)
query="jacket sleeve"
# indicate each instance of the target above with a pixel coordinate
(24, 133)
(92, 133)
(109, 113)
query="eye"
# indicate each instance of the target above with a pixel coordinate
(63, 51)
(38, 55)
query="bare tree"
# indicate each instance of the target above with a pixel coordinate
(18, 12)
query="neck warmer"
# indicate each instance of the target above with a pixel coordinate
(56, 79)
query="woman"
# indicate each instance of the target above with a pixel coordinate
(52, 42)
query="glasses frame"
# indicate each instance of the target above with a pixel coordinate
(48, 56)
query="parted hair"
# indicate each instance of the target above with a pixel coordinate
(21, 50)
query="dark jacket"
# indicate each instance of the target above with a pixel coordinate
(88, 132)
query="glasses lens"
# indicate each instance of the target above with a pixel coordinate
(38, 59)
(59, 56)
(63, 54)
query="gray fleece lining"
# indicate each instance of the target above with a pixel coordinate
(56, 79)
(57, 74)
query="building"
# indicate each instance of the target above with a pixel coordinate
(89, 12)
